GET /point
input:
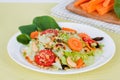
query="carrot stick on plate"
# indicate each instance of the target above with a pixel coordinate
(69, 29)
(80, 63)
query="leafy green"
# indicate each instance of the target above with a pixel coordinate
(64, 36)
(101, 45)
(23, 38)
(63, 60)
(90, 60)
(67, 54)
(98, 52)
(39, 23)
(45, 22)
(76, 55)
(91, 53)
(117, 8)
(27, 29)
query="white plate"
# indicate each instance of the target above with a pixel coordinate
(109, 50)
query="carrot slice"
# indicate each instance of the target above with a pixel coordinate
(34, 34)
(103, 10)
(80, 63)
(78, 2)
(106, 3)
(82, 35)
(75, 44)
(92, 5)
(69, 29)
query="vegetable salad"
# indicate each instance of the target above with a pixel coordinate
(61, 49)
(49, 46)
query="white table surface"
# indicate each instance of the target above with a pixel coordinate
(34, 1)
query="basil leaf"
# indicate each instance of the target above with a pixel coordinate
(23, 38)
(27, 29)
(45, 22)
(117, 8)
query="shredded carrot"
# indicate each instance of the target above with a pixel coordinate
(106, 3)
(53, 38)
(82, 35)
(80, 63)
(91, 48)
(69, 29)
(28, 59)
(34, 34)
(103, 10)
(75, 44)
(78, 2)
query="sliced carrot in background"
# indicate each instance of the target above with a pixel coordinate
(80, 63)
(34, 34)
(94, 2)
(92, 5)
(68, 29)
(75, 44)
(101, 6)
(91, 8)
(106, 3)
(84, 6)
(103, 10)
(78, 2)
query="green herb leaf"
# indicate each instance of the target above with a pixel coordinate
(117, 8)
(23, 38)
(27, 29)
(45, 22)
(63, 60)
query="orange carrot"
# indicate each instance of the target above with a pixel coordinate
(78, 2)
(82, 35)
(28, 59)
(106, 3)
(94, 2)
(103, 10)
(84, 6)
(92, 5)
(91, 48)
(75, 44)
(34, 34)
(80, 63)
(69, 29)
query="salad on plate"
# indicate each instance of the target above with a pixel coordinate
(49, 46)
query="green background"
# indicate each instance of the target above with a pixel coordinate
(12, 15)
